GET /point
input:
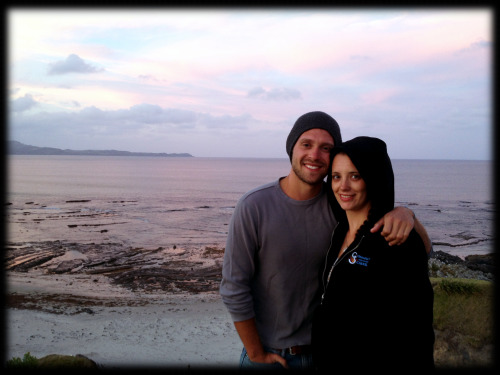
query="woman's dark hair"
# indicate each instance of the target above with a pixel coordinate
(370, 157)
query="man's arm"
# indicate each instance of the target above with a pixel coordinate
(397, 226)
(247, 330)
(420, 229)
(237, 272)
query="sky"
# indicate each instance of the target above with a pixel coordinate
(231, 82)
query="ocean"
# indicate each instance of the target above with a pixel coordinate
(167, 201)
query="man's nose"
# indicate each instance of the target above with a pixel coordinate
(315, 153)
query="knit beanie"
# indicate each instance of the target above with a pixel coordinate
(313, 120)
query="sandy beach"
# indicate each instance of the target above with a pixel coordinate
(117, 328)
(85, 291)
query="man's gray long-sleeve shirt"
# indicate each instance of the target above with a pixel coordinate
(275, 250)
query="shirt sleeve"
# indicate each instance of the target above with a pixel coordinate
(239, 263)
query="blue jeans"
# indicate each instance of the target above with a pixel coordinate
(295, 362)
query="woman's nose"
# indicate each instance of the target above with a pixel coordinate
(344, 184)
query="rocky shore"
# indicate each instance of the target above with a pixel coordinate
(480, 267)
(168, 270)
(175, 270)
(146, 273)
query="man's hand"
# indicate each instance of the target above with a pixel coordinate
(270, 358)
(397, 225)
(247, 330)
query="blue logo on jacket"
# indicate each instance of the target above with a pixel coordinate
(355, 258)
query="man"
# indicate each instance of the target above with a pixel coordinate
(277, 242)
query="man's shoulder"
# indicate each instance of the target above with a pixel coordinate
(261, 190)
(258, 198)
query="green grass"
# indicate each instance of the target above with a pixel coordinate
(27, 362)
(51, 361)
(464, 306)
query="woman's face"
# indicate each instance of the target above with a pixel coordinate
(348, 185)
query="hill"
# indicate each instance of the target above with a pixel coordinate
(18, 148)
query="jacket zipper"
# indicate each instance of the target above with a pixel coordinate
(338, 260)
(326, 260)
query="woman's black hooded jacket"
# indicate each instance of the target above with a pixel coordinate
(376, 310)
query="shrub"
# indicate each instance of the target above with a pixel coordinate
(28, 362)
(457, 286)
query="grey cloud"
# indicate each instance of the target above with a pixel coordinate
(274, 94)
(484, 43)
(480, 45)
(144, 119)
(227, 122)
(92, 113)
(92, 120)
(154, 114)
(141, 114)
(148, 77)
(72, 64)
(23, 104)
(256, 91)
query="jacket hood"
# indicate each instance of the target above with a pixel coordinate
(370, 157)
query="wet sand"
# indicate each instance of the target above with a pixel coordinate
(115, 327)
(89, 290)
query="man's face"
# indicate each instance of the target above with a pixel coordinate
(311, 156)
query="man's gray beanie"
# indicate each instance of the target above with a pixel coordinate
(313, 120)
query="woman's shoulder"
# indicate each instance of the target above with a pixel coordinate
(412, 247)
(414, 241)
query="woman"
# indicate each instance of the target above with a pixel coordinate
(377, 305)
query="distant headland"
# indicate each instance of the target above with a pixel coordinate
(18, 148)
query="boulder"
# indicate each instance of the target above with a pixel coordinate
(58, 361)
(482, 262)
(446, 258)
